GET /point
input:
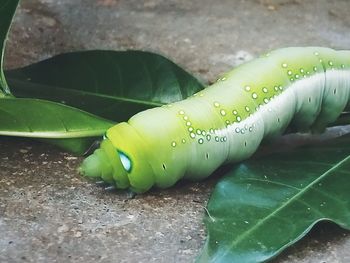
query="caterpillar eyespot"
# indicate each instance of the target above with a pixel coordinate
(308, 87)
(126, 162)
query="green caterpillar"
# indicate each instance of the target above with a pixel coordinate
(307, 87)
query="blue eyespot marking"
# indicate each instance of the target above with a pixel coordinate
(126, 162)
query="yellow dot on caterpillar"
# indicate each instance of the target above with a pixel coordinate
(316, 53)
(211, 130)
(190, 129)
(188, 123)
(315, 68)
(321, 60)
(284, 65)
(183, 141)
(173, 144)
(237, 130)
(217, 138)
(308, 72)
(185, 118)
(289, 72)
(181, 112)
(296, 76)
(199, 132)
(250, 129)
(265, 90)
(291, 79)
(247, 88)
(204, 133)
(280, 87)
(200, 141)
(216, 104)
(266, 100)
(342, 65)
(243, 131)
(225, 139)
(234, 112)
(301, 70)
(201, 95)
(227, 122)
(330, 63)
(223, 112)
(192, 135)
(223, 79)
(238, 118)
(208, 137)
(254, 95)
(169, 105)
(247, 108)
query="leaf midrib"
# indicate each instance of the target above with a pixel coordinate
(123, 99)
(55, 135)
(262, 221)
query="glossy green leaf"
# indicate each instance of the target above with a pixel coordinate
(266, 204)
(49, 120)
(111, 84)
(7, 11)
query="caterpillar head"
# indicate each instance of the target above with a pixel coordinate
(121, 160)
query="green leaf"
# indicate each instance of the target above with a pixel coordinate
(266, 204)
(43, 119)
(110, 84)
(7, 11)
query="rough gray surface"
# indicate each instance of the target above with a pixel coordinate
(48, 213)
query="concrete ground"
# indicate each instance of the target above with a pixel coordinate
(48, 213)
